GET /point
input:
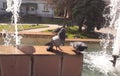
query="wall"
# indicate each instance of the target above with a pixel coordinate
(40, 8)
(41, 11)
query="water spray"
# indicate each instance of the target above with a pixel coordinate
(115, 23)
(13, 6)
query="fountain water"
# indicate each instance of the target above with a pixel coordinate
(100, 60)
(115, 19)
(13, 7)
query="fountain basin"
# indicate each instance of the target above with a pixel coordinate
(36, 61)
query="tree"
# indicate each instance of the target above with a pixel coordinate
(79, 13)
(89, 13)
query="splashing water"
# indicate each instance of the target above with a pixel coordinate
(100, 60)
(13, 6)
(115, 22)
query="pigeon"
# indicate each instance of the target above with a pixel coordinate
(78, 46)
(57, 40)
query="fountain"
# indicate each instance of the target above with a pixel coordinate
(107, 61)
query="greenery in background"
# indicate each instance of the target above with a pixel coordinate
(10, 27)
(87, 13)
(72, 32)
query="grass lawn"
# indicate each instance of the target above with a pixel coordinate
(10, 27)
(72, 32)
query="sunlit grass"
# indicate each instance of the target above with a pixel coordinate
(48, 31)
(72, 32)
(11, 28)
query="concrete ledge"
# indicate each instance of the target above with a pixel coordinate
(32, 34)
(49, 35)
(36, 61)
(83, 40)
(35, 50)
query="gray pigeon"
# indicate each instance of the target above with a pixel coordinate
(57, 40)
(78, 46)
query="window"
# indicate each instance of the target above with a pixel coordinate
(46, 8)
(4, 5)
(32, 8)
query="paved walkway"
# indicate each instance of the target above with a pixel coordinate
(106, 30)
(50, 26)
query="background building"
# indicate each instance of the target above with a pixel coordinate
(31, 7)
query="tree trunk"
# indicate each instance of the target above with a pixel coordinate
(80, 28)
(65, 12)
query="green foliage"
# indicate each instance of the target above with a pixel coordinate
(89, 13)
(72, 32)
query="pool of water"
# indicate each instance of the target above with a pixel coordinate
(43, 40)
(29, 41)
(92, 47)
(97, 62)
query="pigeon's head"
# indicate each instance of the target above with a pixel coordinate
(82, 48)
